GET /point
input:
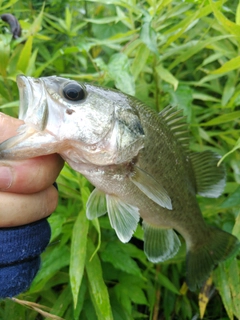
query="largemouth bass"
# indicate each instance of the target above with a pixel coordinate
(138, 161)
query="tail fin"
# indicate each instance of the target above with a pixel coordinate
(201, 259)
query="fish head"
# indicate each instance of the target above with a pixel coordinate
(81, 122)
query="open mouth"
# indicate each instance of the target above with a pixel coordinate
(33, 102)
(25, 92)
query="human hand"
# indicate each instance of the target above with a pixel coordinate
(26, 190)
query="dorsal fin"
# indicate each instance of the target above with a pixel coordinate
(177, 124)
(210, 179)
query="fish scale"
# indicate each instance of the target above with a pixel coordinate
(138, 161)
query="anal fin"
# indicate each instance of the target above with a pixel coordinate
(160, 244)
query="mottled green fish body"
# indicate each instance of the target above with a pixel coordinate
(138, 161)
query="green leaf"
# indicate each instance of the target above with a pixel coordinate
(56, 221)
(194, 49)
(204, 97)
(165, 282)
(179, 28)
(115, 255)
(78, 254)
(137, 284)
(85, 193)
(103, 20)
(236, 147)
(98, 289)
(9, 4)
(238, 14)
(228, 285)
(223, 118)
(4, 55)
(13, 310)
(63, 301)
(230, 26)
(232, 64)
(167, 76)
(139, 62)
(148, 35)
(95, 223)
(32, 62)
(123, 297)
(233, 200)
(68, 18)
(181, 98)
(25, 55)
(135, 295)
(236, 228)
(229, 89)
(81, 297)
(119, 71)
(10, 104)
(234, 283)
(53, 260)
(36, 25)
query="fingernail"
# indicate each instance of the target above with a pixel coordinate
(6, 177)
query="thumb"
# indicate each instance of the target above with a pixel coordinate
(8, 126)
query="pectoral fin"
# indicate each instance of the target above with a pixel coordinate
(123, 217)
(160, 244)
(96, 205)
(151, 188)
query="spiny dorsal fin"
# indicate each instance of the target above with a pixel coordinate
(210, 179)
(177, 123)
(160, 244)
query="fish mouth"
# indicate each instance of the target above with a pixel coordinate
(25, 96)
(32, 140)
(33, 102)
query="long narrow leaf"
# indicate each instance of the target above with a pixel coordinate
(98, 289)
(78, 254)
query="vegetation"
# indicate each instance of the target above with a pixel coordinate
(183, 53)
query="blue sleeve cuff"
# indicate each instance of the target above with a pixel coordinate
(20, 249)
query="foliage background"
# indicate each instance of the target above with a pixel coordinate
(184, 53)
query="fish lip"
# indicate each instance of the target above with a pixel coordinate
(33, 107)
(25, 89)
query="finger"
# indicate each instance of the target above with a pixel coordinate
(20, 209)
(8, 126)
(31, 175)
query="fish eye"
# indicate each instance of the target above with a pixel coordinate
(73, 92)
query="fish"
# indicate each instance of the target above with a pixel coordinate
(138, 160)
